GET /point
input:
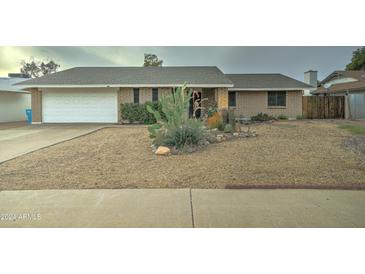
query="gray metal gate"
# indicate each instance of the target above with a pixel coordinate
(357, 105)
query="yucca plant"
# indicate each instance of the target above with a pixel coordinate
(177, 129)
(175, 106)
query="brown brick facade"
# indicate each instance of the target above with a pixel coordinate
(125, 95)
(222, 97)
(249, 103)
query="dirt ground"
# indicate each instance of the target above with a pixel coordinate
(289, 152)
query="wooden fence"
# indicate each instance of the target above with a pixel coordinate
(323, 107)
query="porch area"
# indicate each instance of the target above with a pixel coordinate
(207, 97)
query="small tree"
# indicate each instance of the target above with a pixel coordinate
(357, 60)
(35, 68)
(151, 60)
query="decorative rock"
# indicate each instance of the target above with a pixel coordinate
(236, 134)
(206, 143)
(220, 138)
(163, 151)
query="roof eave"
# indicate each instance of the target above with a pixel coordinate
(15, 92)
(123, 85)
(269, 89)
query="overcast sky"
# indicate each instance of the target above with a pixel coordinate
(292, 61)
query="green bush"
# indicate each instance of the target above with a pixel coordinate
(282, 117)
(224, 113)
(212, 109)
(232, 119)
(177, 129)
(221, 125)
(228, 128)
(139, 113)
(189, 134)
(299, 117)
(262, 117)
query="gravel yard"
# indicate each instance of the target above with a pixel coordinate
(288, 152)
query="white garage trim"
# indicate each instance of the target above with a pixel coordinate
(89, 105)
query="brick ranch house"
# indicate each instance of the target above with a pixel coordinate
(94, 94)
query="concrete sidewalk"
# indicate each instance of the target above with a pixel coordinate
(17, 141)
(183, 208)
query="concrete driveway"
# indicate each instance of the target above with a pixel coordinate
(16, 141)
(182, 208)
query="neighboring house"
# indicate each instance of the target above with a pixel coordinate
(350, 84)
(94, 94)
(273, 94)
(13, 100)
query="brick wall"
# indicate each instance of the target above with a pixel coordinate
(222, 95)
(249, 103)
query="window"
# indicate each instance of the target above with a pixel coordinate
(136, 95)
(276, 98)
(154, 94)
(232, 99)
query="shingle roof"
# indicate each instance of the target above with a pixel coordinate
(129, 76)
(7, 84)
(343, 87)
(265, 81)
(356, 74)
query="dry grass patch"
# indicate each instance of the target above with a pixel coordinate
(290, 152)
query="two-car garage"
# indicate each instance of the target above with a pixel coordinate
(80, 105)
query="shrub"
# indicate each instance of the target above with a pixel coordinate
(139, 113)
(212, 109)
(130, 112)
(262, 117)
(228, 128)
(148, 117)
(224, 113)
(232, 118)
(299, 117)
(177, 129)
(189, 134)
(215, 121)
(282, 117)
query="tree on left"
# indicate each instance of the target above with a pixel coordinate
(35, 68)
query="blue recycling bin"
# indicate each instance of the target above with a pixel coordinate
(28, 112)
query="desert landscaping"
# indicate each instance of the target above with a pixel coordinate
(283, 152)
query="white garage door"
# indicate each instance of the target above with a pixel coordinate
(80, 106)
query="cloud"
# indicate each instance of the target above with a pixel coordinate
(292, 61)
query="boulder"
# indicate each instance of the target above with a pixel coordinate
(163, 151)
